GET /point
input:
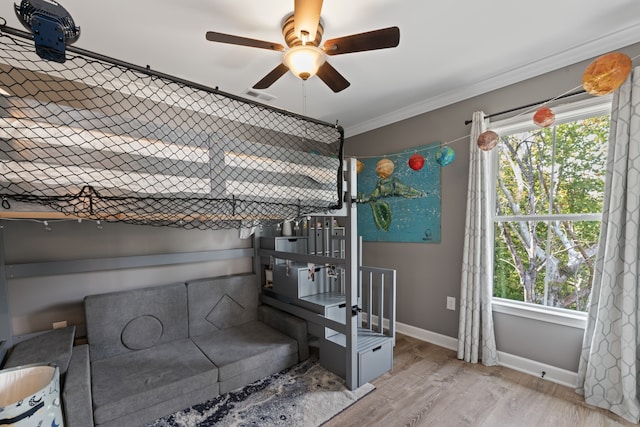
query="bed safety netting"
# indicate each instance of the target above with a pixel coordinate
(101, 139)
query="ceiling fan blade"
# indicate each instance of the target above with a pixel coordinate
(271, 78)
(212, 36)
(332, 77)
(371, 40)
(306, 17)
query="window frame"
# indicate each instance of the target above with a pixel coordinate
(564, 113)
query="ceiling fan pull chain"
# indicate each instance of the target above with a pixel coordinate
(304, 97)
(304, 108)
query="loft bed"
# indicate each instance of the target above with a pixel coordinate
(96, 138)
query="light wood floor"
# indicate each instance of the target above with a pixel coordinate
(429, 386)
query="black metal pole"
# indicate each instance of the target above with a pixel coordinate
(568, 95)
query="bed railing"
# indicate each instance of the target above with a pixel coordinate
(378, 294)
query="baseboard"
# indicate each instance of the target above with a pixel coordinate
(532, 367)
(421, 334)
(511, 361)
(428, 336)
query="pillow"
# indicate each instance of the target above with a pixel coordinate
(142, 332)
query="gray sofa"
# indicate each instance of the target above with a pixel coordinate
(154, 351)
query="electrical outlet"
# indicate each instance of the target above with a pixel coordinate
(60, 325)
(451, 303)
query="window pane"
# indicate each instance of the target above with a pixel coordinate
(545, 262)
(570, 263)
(532, 176)
(519, 260)
(581, 151)
(524, 172)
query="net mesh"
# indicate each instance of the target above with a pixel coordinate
(98, 139)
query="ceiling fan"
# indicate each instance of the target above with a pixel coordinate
(302, 33)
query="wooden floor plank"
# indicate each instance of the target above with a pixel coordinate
(429, 386)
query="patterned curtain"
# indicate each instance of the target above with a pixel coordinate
(608, 372)
(476, 339)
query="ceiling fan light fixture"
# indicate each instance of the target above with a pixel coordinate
(303, 61)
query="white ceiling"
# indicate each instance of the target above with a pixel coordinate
(449, 50)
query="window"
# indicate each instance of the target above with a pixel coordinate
(549, 185)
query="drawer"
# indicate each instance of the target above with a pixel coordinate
(336, 312)
(374, 362)
(285, 244)
(291, 244)
(294, 244)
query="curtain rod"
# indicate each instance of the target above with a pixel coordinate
(580, 92)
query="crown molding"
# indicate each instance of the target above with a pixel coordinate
(578, 53)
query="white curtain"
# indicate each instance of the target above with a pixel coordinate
(608, 372)
(476, 339)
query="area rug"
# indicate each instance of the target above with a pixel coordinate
(304, 395)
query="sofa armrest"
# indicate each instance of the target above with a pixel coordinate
(289, 325)
(53, 346)
(76, 393)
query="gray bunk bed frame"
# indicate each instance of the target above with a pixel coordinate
(366, 325)
(353, 324)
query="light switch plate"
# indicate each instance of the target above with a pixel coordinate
(451, 303)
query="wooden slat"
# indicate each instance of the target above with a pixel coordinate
(123, 217)
(35, 215)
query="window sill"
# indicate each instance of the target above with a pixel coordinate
(559, 316)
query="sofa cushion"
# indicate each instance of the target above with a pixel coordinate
(128, 382)
(248, 377)
(147, 416)
(222, 302)
(245, 347)
(142, 332)
(289, 325)
(76, 392)
(52, 346)
(125, 321)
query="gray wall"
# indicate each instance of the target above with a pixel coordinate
(36, 302)
(533, 339)
(428, 273)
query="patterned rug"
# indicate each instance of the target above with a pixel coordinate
(304, 395)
